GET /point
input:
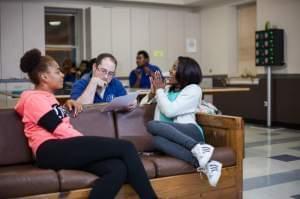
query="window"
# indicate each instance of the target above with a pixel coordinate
(64, 34)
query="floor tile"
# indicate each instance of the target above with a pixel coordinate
(296, 196)
(271, 163)
(269, 180)
(285, 157)
(296, 148)
(272, 134)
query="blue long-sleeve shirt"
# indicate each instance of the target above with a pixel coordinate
(113, 89)
(145, 81)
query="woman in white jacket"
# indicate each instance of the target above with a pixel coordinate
(174, 127)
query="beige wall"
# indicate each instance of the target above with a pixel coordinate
(218, 40)
(121, 29)
(219, 35)
(285, 15)
(20, 26)
(124, 29)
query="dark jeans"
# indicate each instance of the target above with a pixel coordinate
(176, 139)
(116, 161)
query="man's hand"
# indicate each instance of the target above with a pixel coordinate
(96, 77)
(147, 70)
(99, 82)
(138, 73)
(73, 105)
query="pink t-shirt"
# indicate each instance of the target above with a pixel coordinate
(34, 105)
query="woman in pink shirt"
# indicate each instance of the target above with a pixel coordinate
(57, 145)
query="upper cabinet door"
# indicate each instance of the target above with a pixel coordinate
(121, 39)
(99, 32)
(175, 33)
(158, 38)
(11, 39)
(139, 32)
(192, 31)
(34, 24)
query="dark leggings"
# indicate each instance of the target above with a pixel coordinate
(116, 161)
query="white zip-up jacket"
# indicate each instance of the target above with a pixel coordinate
(183, 108)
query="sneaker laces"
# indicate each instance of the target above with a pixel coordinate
(212, 168)
(205, 149)
(200, 171)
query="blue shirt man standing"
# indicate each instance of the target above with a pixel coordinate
(100, 85)
(140, 76)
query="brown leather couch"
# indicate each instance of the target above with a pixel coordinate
(170, 177)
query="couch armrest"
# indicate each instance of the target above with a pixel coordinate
(224, 131)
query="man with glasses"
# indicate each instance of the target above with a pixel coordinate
(101, 85)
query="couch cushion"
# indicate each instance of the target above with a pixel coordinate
(23, 180)
(13, 143)
(74, 179)
(131, 126)
(91, 121)
(168, 166)
(225, 155)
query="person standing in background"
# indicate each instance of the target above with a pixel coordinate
(139, 77)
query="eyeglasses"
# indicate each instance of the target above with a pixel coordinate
(106, 72)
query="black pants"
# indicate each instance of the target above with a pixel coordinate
(116, 161)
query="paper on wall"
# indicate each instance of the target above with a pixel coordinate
(191, 45)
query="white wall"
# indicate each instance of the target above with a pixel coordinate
(285, 15)
(121, 29)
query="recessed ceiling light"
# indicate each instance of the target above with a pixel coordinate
(54, 23)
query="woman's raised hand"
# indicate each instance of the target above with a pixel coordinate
(158, 81)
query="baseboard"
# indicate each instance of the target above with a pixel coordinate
(263, 123)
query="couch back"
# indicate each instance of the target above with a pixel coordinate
(131, 126)
(92, 122)
(13, 144)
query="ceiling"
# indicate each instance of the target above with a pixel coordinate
(185, 3)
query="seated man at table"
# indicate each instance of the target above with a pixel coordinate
(100, 86)
(139, 77)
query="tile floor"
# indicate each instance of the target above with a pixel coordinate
(272, 163)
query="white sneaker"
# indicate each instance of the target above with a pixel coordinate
(213, 172)
(203, 153)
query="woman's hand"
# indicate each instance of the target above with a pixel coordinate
(157, 81)
(152, 92)
(73, 105)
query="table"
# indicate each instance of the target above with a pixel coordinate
(60, 98)
(142, 92)
(214, 90)
(217, 90)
